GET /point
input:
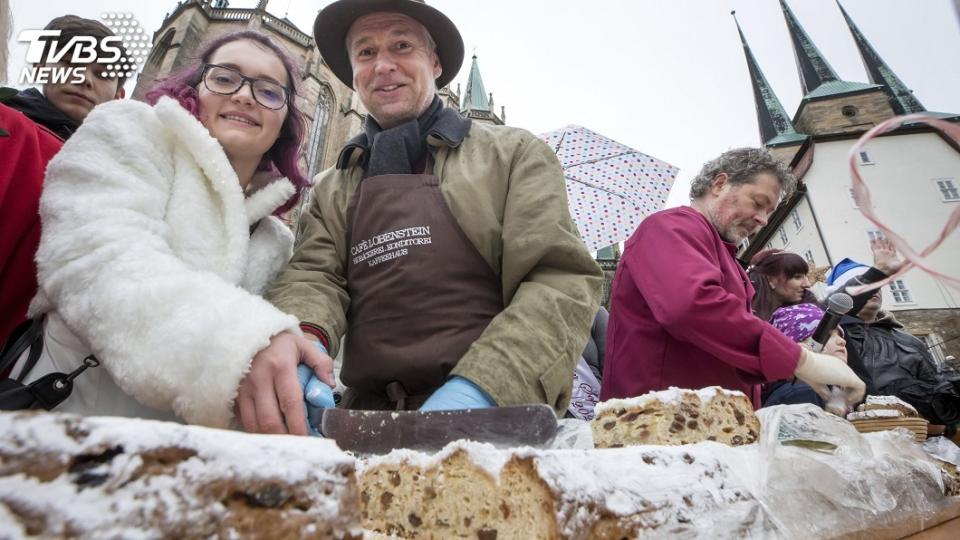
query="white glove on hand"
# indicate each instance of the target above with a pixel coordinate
(819, 370)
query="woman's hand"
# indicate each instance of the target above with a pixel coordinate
(270, 399)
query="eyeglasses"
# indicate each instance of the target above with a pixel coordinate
(228, 81)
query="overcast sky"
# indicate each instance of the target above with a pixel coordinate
(665, 77)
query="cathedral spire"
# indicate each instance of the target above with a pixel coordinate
(775, 125)
(901, 98)
(475, 97)
(813, 67)
(477, 104)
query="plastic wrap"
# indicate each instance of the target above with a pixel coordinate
(817, 476)
(943, 449)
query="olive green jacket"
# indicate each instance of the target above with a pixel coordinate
(506, 190)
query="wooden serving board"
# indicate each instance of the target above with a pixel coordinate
(916, 425)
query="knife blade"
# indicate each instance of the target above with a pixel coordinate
(379, 432)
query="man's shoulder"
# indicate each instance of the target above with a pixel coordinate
(680, 223)
(17, 125)
(678, 216)
(502, 136)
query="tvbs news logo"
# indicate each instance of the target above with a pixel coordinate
(120, 55)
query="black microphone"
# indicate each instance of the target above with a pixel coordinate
(837, 306)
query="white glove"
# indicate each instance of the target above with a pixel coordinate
(819, 370)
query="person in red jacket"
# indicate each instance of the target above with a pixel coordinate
(25, 149)
(36, 123)
(62, 106)
(680, 305)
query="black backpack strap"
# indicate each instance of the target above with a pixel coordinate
(44, 393)
(31, 337)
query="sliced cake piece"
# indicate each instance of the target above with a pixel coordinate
(64, 476)
(676, 416)
(874, 403)
(473, 490)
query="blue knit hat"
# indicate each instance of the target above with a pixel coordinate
(843, 272)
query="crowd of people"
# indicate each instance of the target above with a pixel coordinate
(143, 258)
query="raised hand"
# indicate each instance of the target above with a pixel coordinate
(885, 256)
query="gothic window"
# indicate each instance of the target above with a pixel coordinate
(808, 255)
(318, 132)
(783, 236)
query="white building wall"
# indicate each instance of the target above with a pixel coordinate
(902, 181)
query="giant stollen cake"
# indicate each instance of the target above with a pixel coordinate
(477, 491)
(63, 476)
(675, 417)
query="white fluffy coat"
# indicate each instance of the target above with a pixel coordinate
(147, 261)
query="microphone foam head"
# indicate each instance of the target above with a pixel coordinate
(839, 303)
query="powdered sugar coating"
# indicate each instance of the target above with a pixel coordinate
(888, 401)
(875, 413)
(487, 457)
(670, 395)
(662, 487)
(112, 497)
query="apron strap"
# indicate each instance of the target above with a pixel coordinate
(397, 394)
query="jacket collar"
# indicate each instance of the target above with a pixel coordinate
(35, 106)
(449, 130)
(266, 192)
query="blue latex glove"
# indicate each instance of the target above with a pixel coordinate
(317, 396)
(458, 393)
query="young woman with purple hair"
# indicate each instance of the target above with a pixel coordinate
(159, 234)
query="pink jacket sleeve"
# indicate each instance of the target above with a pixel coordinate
(676, 265)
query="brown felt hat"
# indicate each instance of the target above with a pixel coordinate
(334, 21)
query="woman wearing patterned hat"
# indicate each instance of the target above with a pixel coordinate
(798, 323)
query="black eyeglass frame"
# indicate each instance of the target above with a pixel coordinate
(245, 80)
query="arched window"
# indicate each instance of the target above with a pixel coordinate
(318, 133)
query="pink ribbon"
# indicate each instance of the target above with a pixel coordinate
(861, 195)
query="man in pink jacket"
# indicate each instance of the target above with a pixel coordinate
(680, 307)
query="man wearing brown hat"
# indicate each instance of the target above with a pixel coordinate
(443, 248)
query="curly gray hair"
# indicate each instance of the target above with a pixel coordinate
(742, 165)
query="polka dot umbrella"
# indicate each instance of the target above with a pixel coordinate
(610, 187)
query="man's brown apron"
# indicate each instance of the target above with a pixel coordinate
(420, 292)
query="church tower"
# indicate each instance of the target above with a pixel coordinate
(829, 104)
(477, 103)
(911, 171)
(777, 131)
(901, 98)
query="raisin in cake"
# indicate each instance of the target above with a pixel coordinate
(676, 416)
(474, 490)
(64, 476)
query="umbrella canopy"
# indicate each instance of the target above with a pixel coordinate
(610, 186)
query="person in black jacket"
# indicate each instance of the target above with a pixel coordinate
(61, 107)
(901, 365)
